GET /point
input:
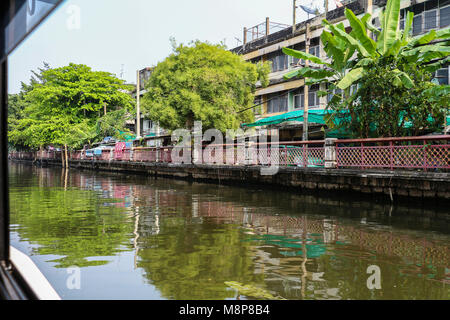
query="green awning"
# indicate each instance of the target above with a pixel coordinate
(315, 116)
(127, 136)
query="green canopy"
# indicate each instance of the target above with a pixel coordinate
(315, 116)
(127, 136)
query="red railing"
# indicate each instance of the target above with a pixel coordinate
(430, 152)
(426, 153)
(145, 155)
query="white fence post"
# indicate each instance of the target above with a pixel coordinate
(330, 153)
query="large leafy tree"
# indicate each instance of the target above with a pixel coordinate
(393, 75)
(203, 82)
(65, 106)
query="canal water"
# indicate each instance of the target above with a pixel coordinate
(109, 236)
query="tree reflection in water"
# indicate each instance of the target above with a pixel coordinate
(198, 241)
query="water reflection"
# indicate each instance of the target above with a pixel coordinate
(198, 241)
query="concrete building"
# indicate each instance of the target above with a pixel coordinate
(282, 96)
(149, 130)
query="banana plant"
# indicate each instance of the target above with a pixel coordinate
(351, 54)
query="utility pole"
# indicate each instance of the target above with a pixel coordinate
(326, 8)
(306, 91)
(121, 71)
(369, 6)
(138, 106)
(369, 10)
(294, 10)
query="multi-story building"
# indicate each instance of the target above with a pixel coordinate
(283, 96)
(150, 130)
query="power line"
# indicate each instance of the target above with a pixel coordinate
(259, 104)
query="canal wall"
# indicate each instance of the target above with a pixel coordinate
(390, 185)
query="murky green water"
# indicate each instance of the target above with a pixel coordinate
(138, 238)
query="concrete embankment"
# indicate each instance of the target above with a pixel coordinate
(395, 185)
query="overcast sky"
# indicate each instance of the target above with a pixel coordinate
(116, 35)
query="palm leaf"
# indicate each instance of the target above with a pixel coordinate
(350, 40)
(292, 74)
(366, 21)
(424, 39)
(443, 34)
(350, 78)
(390, 25)
(432, 67)
(359, 32)
(408, 25)
(304, 56)
(394, 49)
(307, 72)
(332, 48)
(424, 49)
(310, 82)
(429, 56)
(405, 79)
(364, 62)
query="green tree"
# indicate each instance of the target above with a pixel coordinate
(17, 103)
(400, 64)
(384, 108)
(203, 82)
(64, 106)
(112, 123)
(73, 225)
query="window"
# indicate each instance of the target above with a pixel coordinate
(313, 98)
(278, 102)
(299, 99)
(417, 25)
(298, 47)
(315, 51)
(402, 19)
(428, 15)
(444, 14)
(442, 76)
(280, 61)
(430, 19)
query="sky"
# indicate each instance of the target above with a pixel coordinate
(121, 37)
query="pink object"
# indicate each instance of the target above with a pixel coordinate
(118, 150)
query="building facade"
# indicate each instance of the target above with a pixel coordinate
(283, 96)
(150, 131)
